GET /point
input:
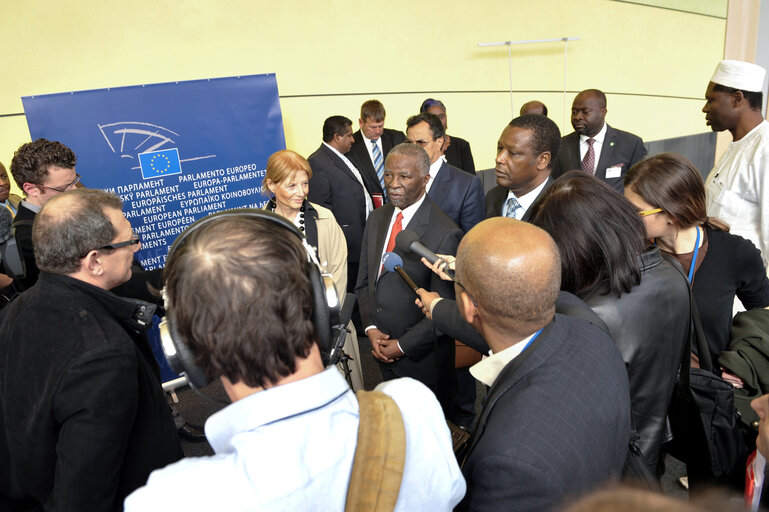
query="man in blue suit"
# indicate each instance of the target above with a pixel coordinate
(457, 193)
(556, 420)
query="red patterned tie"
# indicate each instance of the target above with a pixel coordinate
(588, 163)
(397, 228)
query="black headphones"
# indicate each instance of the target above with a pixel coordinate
(325, 302)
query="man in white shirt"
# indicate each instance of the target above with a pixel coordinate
(594, 146)
(737, 188)
(288, 440)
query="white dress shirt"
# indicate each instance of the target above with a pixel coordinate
(369, 143)
(488, 369)
(291, 447)
(526, 200)
(434, 168)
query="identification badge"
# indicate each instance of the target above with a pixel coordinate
(614, 172)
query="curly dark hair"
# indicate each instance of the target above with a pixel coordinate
(32, 160)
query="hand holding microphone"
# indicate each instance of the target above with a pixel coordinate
(443, 265)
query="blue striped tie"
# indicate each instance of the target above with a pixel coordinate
(511, 207)
(378, 165)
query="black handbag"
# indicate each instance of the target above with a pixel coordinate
(706, 424)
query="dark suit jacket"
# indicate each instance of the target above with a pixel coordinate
(620, 148)
(459, 155)
(459, 195)
(556, 422)
(359, 155)
(22, 224)
(334, 186)
(388, 302)
(497, 196)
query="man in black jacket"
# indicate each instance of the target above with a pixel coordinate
(83, 417)
(338, 185)
(556, 420)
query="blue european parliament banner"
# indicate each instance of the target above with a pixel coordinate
(174, 152)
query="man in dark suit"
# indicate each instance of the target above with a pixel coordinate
(83, 419)
(371, 144)
(525, 153)
(556, 421)
(457, 151)
(338, 185)
(457, 193)
(42, 169)
(403, 340)
(596, 147)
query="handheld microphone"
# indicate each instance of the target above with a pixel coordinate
(408, 241)
(394, 263)
(341, 329)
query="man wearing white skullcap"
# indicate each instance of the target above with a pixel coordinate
(737, 187)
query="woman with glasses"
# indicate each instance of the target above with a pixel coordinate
(669, 194)
(642, 299)
(287, 182)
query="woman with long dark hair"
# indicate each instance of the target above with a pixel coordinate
(669, 193)
(642, 299)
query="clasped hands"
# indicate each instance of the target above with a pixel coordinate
(383, 347)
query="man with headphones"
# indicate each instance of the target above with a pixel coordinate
(245, 305)
(83, 417)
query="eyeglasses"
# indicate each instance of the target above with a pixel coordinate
(117, 245)
(644, 213)
(65, 189)
(472, 299)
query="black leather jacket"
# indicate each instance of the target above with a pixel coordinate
(650, 326)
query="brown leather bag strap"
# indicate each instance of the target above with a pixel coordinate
(380, 455)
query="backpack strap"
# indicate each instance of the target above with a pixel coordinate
(380, 455)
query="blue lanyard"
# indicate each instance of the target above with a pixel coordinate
(694, 257)
(533, 337)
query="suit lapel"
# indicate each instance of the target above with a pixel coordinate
(364, 164)
(340, 164)
(530, 211)
(508, 377)
(441, 185)
(375, 257)
(420, 222)
(573, 161)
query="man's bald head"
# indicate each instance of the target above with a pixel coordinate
(513, 271)
(534, 107)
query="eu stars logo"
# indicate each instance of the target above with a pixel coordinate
(155, 164)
